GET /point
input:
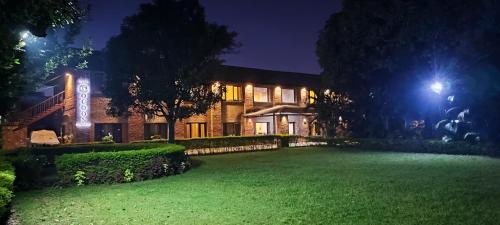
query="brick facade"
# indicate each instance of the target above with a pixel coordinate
(132, 127)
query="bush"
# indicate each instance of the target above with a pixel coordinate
(231, 141)
(51, 152)
(110, 167)
(28, 169)
(7, 178)
(417, 146)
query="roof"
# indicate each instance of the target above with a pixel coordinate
(281, 109)
(238, 74)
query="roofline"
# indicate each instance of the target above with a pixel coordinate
(270, 70)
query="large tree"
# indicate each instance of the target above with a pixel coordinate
(382, 54)
(162, 61)
(17, 17)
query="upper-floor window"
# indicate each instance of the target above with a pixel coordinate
(260, 94)
(232, 93)
(312, 97)
(288, 95)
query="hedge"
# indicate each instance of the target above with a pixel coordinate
(416, 146)
(28, 169)
(121, 166)
(51, 152)
(216, 142)
(7, 178)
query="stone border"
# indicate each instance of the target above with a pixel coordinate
(221, 150)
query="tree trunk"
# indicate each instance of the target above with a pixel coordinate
(171, 131)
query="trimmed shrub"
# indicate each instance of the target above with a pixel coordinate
(28, 169)
(7, 178)
(110, 167)
(416, 146)
(231, 141)
(52, 152)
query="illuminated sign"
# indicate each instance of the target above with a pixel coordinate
(83, 103)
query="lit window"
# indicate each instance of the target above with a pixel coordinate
(232, 93)
(288, 95)
(312, 97)
(261, 128)
(260, 94)
(196, 130)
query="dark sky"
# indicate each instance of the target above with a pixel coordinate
(275, 34)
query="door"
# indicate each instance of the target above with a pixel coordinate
(291, 128)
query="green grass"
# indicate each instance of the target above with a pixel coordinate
(290, 186)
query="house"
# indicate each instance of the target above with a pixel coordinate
(255, 102)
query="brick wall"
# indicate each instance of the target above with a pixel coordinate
(135, 128)
(13, 138)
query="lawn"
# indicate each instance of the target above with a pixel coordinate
(289, 186)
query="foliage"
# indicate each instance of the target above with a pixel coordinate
(108, 138)
(230, 141)
(7, 178)
(416, 146)
(79, 178)
(128, 176)
(53, 54)
(457, 126)
(382, 53)
(109, 167)
(16, 17)
(51, 152)
(162, 61)
(290, 186)
(28, 169)
(330, 106)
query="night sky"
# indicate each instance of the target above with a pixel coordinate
(275, 34)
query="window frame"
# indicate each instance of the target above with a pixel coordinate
(98, 135)
(239, 96)
(236, 129)
(267, 128)
(188, 132)
(147, 130)
(294, 95)
(267, 94)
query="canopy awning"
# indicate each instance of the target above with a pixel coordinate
(280, 109)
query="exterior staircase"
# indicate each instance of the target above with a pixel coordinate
(40, 110)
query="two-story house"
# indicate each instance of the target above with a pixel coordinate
(255, 102)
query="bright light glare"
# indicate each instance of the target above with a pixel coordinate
(24, 34)
(437, 87)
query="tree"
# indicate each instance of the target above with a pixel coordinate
(383, 53)
(162, 61)
(17, 17)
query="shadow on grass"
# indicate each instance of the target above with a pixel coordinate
(195, 163)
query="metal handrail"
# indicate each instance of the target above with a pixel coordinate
(42, 106)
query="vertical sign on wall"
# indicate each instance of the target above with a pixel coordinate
(83, 103)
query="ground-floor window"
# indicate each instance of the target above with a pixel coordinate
(231, 129)
(106, 129)
(291, 128)
(196, 130)
(261, 128)
(155, 131)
